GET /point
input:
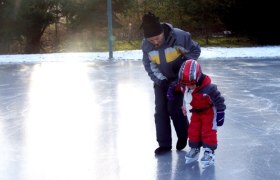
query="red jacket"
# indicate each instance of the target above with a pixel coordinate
(207, 95)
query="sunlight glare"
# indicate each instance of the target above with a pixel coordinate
(61, 121)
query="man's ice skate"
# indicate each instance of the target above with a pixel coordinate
(192, 155)
(208, 158)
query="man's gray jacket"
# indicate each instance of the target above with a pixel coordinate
(164, 62)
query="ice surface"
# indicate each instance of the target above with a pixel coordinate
(94, 120)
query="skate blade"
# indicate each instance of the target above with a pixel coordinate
(190, 160)
(205, 165)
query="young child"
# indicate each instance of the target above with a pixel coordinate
(207, 112)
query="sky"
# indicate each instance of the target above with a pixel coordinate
(207, 53)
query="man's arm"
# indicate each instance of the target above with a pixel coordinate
(187, 46)
(152, 69)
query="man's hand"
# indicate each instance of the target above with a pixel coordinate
(182, 50)
(164, 84)
(170, 93)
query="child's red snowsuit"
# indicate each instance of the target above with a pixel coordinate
(206, 101)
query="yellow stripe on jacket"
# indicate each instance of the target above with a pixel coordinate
(171, 54)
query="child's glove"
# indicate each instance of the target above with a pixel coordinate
(220, 116)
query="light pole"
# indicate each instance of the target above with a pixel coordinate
(110, 36)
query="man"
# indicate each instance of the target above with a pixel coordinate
(164, 50)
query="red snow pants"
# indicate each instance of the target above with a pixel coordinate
(203, 129)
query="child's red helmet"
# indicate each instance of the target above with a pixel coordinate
(190, 72)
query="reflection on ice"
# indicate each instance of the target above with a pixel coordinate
(61, 123)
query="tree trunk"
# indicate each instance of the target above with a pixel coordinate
(33, 45)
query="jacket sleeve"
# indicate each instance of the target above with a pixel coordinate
(216, 97)
(191, 48)
(152, 68)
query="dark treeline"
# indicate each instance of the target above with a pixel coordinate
(32, 26)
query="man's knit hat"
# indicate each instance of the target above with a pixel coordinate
(151, 25)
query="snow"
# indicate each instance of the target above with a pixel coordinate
(264, 52)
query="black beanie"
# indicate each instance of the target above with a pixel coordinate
(151, 25)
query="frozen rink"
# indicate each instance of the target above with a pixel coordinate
(94, 121)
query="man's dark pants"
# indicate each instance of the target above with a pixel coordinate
(165, 111)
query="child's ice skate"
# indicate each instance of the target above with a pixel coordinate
(208, 158)
(192, 155)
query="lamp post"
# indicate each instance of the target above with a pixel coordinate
(129, 32)
(110, 36)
